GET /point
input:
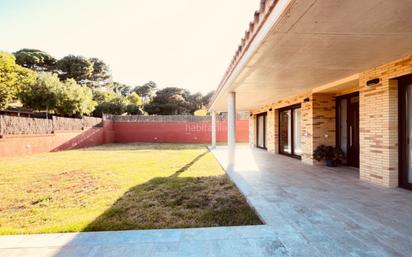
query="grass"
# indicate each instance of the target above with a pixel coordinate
(117, 187)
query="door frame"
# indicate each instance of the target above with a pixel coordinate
(264, 115)
(404, 139)
(292, 148)
(337, 121)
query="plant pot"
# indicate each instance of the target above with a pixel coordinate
(331, 163)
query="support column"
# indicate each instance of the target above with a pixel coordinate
(318, 121)
(213, 129)
(231, 128)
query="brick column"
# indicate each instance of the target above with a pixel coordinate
(378, 125)
(378, 131)
(318, 124)
(252, 130)
(270, 131)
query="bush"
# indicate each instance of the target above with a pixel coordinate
(328, 153)
(133, 109)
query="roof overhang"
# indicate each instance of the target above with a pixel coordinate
(305, 44)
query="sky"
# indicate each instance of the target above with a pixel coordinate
(180, 43)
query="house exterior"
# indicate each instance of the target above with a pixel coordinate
(330, 72)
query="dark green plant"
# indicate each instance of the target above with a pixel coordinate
(324, 152)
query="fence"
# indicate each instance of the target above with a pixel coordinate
(14, 125)
(172, 118)
(62, 123)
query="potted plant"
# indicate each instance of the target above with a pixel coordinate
(332, 155)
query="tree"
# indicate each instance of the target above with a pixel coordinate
(74, 67)
(101, 74)
(114, 103)
(169, 101)
(135, 99)
(74, 99)
(133, 109)
(41, 95)
(206, 98)
(135, 104)
(101, 96)
(120, 88)
(109, 103)
(146, 91)
(12, 78)
(195, 102)
(35, 59)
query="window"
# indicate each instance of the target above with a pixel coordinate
(290, 131)
(261, 130)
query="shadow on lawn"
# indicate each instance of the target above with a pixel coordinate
(144, 146)
(178, 202)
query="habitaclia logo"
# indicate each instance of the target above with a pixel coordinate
(206, 127)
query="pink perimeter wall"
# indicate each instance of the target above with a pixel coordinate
(18, 145)
(121, 132)
(176, 132)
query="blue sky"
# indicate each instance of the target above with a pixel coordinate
(183, 43)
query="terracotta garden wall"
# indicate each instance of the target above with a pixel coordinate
(22, 136)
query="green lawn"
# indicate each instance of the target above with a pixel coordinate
(116, 187)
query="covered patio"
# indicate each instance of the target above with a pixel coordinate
(326, 72)
(326, 210)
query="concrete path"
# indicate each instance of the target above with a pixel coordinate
(308, 211)
(198, 242)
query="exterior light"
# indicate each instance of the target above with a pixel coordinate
(372, 82)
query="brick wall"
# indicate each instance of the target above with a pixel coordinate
(378, 116)
(379, 122)
(317, 121)
(272, 119)
(44, 135)
(307, 132)
(252, 130)
(318, 125)
(271, 129)
(19, 145)
(177, 132)
(173, 128)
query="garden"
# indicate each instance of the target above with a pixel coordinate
(119, 187)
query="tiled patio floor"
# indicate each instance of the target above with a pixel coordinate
(328, 210)
(309, 211)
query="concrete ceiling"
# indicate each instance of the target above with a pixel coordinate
(315, 42)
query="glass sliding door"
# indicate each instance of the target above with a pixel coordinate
(343, 126)
(409, 132)
(290, 131)
(261, 131)
(405, 146)
(285, 126)
(347, 127)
